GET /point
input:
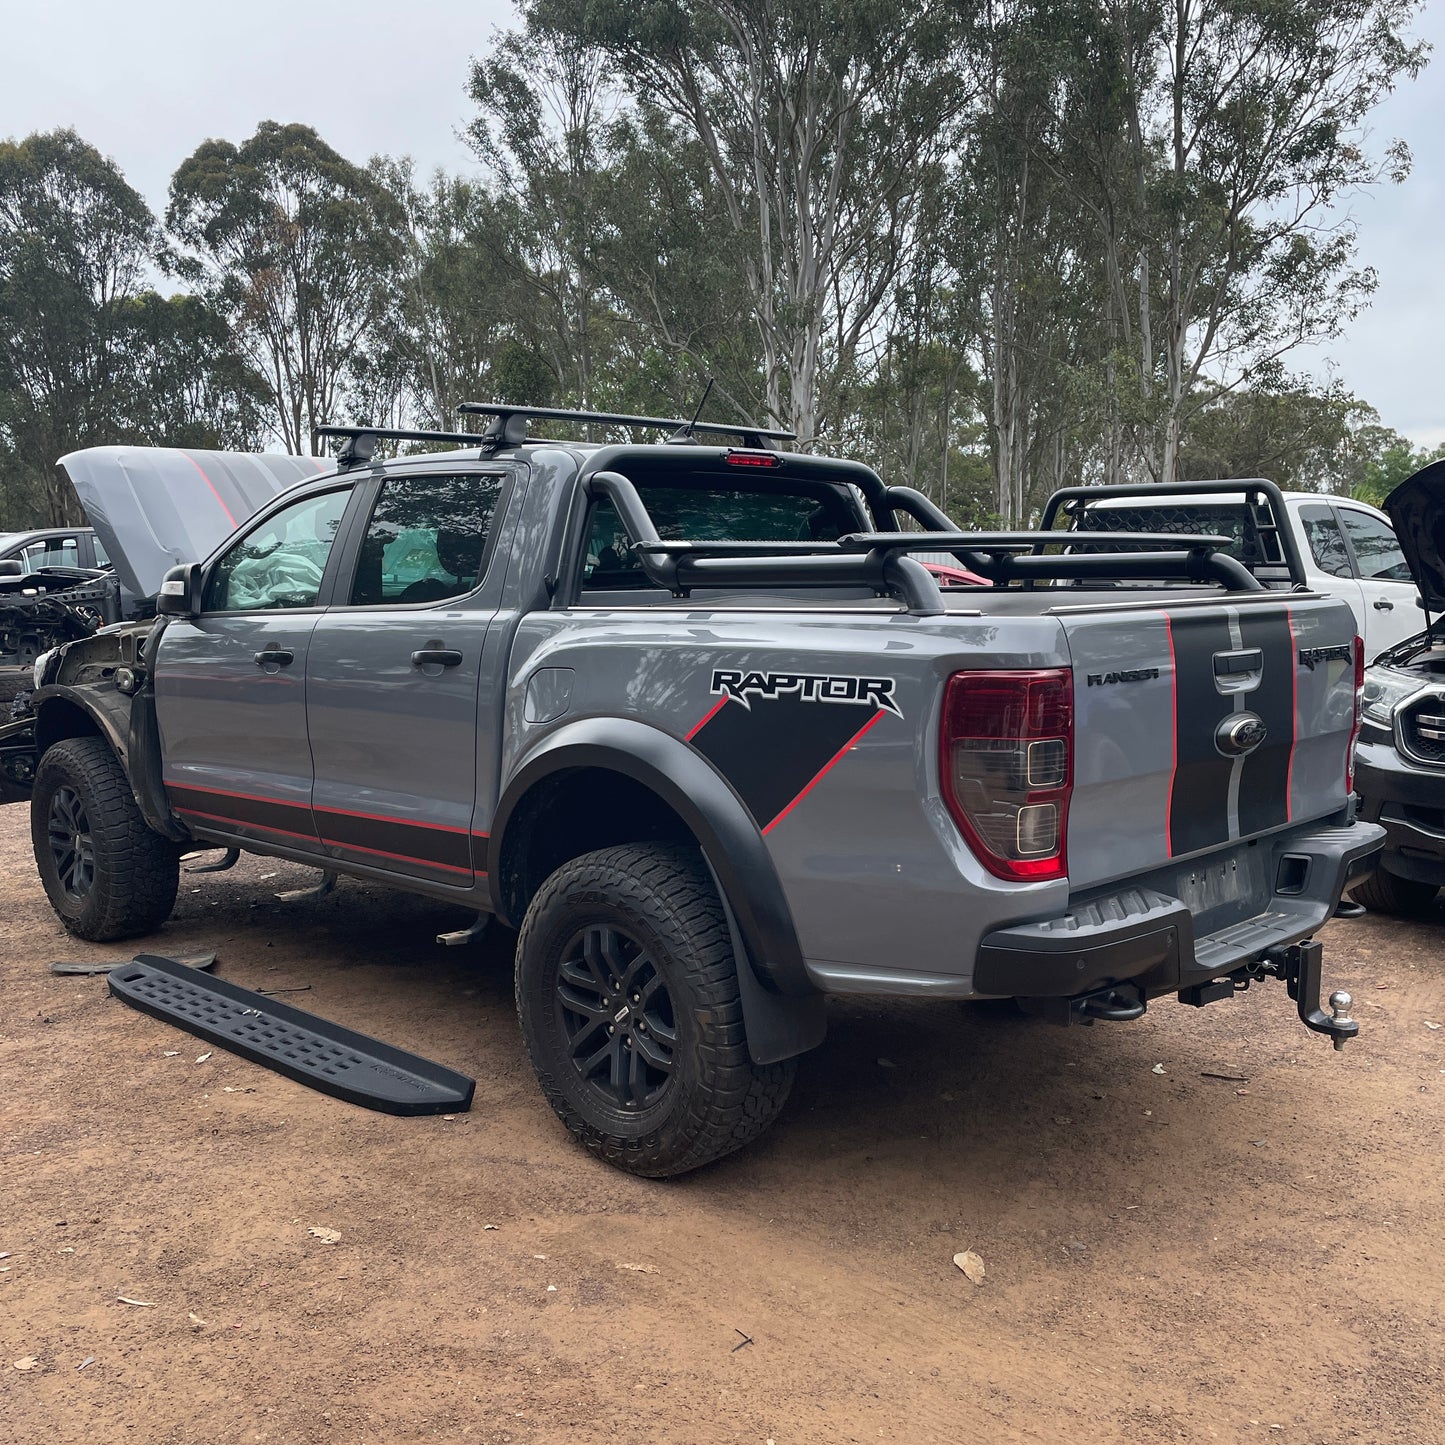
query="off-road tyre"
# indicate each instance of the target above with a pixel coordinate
(671, 950)
(1384, 892)
(129, 885)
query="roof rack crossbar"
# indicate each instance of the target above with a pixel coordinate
(509, 424)
(361, 440)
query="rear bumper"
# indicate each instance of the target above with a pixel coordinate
(1185, 925)
(1409, 803)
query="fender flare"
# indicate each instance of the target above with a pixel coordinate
(107, 724)
(705, 801)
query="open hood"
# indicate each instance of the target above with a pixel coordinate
(1417, 509)
(153, 507)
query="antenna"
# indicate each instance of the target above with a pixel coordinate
(684, 434)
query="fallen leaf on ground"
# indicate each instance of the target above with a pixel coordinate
(145, 1304)
(886, 1064)
(195, 1319)
(1157, 1069)
(29, 1362)
(88, 1360)
(971, 1265)
(1429, 1025)
(640, 1268)
(1233, 1078)
(326, 1236)
(489, 1226)
(170, 1053)
(202, 1059)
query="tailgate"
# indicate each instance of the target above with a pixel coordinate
(1196, 726)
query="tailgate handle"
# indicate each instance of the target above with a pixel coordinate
(1236, 664)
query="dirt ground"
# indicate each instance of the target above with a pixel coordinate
(1170, 1256)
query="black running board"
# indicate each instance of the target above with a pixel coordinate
(311, 1050)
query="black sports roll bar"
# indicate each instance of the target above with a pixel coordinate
(1075, 500)
(880, 559)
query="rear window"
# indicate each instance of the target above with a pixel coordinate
(791, 511)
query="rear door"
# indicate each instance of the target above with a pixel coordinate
(1328, 560)
(394, 672)
(230, 684)
(1391, 599)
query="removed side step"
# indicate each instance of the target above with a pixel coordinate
(306, 1048)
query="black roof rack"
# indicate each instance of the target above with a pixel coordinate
(509, 424)
(361, 440)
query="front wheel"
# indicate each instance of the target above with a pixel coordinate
(105, 872)
(627, 991)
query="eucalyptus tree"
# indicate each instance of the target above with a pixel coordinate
(299, 248)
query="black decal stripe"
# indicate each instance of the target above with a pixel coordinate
(407, 841)
(1264, 782)
(292, 818)
(446, 849)
(1199, 797)
(772, 750)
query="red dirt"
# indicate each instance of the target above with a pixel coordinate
(1170, 1257)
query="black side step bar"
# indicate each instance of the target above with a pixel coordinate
(311, 1050)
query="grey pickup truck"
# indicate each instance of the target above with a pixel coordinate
(696, 721)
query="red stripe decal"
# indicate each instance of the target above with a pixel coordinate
(1173, 736)
(825, 770)
(1293, 716)
(398, 857)
(214, 492)
(241, 823)
(712, 712)
(389, 818)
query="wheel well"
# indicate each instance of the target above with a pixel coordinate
(573, 812)
(59, 720)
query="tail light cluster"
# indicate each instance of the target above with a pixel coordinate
(1007, 763)
(1355, 723)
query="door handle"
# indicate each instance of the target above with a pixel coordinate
(275, 657)
(1380, 605)
(436, 657)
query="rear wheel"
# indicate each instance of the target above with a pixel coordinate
(627, 990)
(105, 872)
(1386, 892)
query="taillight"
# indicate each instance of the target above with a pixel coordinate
(751, 459)
(1007, 762)
(1355, 723)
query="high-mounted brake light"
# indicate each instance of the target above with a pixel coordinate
(1359, 708)
(751, 459)
(1006, 747)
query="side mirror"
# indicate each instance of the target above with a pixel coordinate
(180, 594)
(12, 567)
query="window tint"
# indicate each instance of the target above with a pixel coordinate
(279, 563)
(425, 540)
(1376, 550)
(716, 514)
(1326, 541)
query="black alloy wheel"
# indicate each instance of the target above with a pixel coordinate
(71, 846)
(616, 1012)
(628, 996)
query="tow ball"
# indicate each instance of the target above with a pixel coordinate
(1301, 967)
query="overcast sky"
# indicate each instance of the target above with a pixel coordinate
(147, 81)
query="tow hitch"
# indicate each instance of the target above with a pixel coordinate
(1300, 965)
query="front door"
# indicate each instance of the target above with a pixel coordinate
(1391, 599)
(392, 679)
(230, 684)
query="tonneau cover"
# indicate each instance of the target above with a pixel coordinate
(153, 507)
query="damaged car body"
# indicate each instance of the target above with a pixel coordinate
(695, 720)
(1400, 767)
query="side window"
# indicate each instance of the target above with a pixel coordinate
(1326, 541)
(426, 538)
(53, 552)
(1376, 550)
(280, 562)
(102, 557)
